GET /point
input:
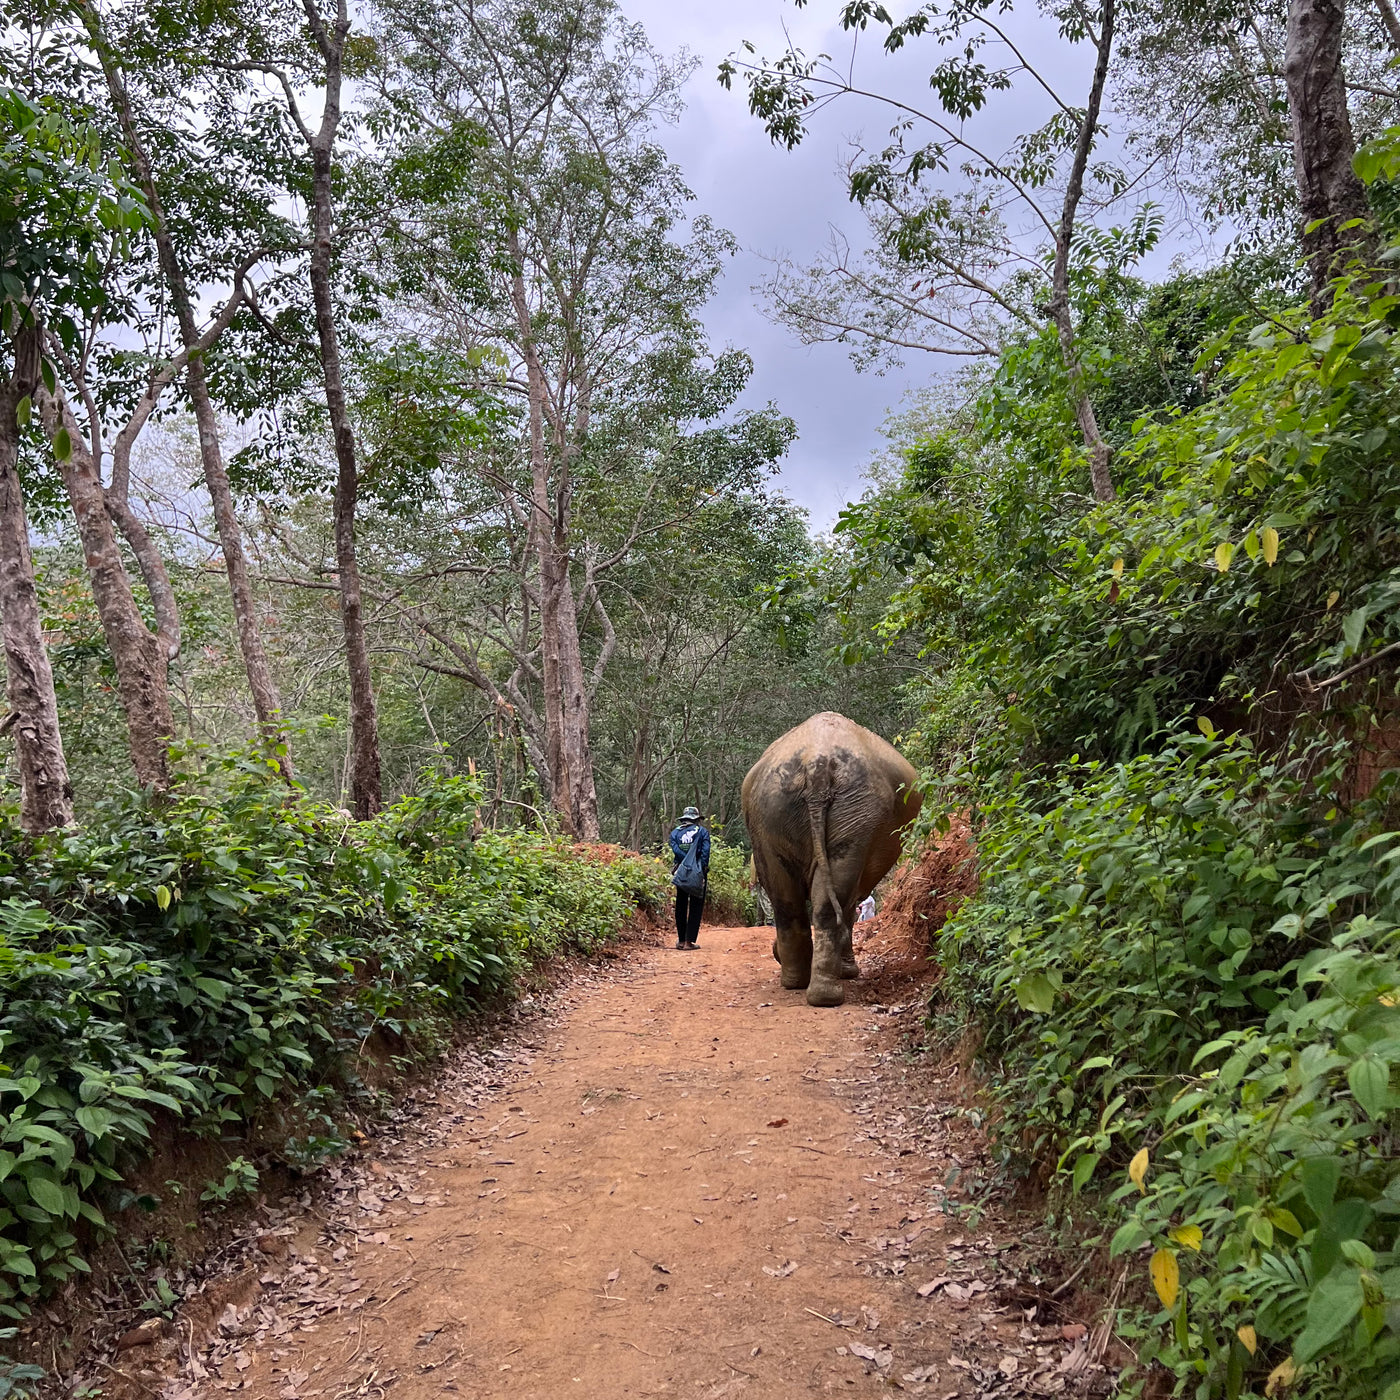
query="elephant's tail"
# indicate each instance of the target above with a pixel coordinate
(818, 800)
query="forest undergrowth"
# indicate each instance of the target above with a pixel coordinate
(1166, 716)
(234, 961)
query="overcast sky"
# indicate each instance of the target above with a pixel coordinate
(776, 201)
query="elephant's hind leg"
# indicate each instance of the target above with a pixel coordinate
(794, 948)
(793, 945)
(834, 959)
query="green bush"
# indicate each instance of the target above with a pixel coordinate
(1186, 965)
(214, 959)
(1182, 960)
(730, 897)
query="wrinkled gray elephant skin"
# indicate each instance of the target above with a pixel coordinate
(825, 808)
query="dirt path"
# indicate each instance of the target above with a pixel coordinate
(678, 1189)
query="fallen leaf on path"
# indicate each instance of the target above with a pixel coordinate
(1073, 1331)
(783, 1270)
(661, 1268)
(148, 1332)
(920, 1374)
(924, 1290)
(881, 1356)
(778, 1123)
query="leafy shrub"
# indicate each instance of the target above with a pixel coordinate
(209, 959)
(730, 898)
(1182, 956)
(1186, 967)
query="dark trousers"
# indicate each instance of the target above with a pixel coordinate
(688, 909)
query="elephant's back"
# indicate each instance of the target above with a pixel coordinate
(828, 750)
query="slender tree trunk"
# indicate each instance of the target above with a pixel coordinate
(267, 703)
(1392, 24)
(46, 796)
(551, 553)
(583, 794)
(554, 574)
(366, 791)
(1100, 454)
(138, 655)
(153, 571)
(578, 690)
(639, 783)
(1329, 194)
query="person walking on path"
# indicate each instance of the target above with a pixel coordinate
(690, 834)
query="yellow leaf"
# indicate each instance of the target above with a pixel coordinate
(1247, 1335)
(1281, 1377)
(1166, 1277)
(1137, 1170)
(1189, 1235)
(1117, 568)
(1388, 999)
(1205, 726)
(1224, 552)
(1269, 539)
(1332, 599)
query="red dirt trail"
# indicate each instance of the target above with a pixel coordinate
(674, 1195)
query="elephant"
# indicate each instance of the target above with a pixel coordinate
(825, 807)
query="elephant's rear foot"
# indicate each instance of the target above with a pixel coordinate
(777, 958)
(826, 991)
(795, 978)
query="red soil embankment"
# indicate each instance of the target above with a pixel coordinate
(923, 893)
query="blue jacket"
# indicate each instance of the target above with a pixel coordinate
(681, 838)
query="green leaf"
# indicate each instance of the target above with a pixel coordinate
(1084, 1170)
(24, 410)
(1370, 1083)
(1036, 993)
(1347, 1220)
(1127, 1236)
(95, 1121)
(1320, 1177)
(46, 1194)
(1353, 626)
(1335, 1301)
(62, 445)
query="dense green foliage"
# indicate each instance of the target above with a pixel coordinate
(729, 897)
(226, 960)
(1168, 713)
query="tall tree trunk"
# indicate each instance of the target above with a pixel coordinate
(366, 790)
(554, 577)
(639, 782)
(1391, 22)
(138, 655)
(1100, 454)
(46, 796)
(1329, 193)
(267, 703)
(583, 794)
(154, 574)
(550, 538)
